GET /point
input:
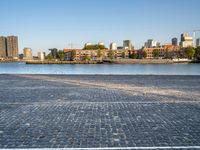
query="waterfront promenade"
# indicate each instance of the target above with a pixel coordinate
(87, 111)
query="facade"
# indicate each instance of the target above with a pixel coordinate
(12, 47)
(174, 41)
(198, 42)
(113, 46)
(165, 51)
(127, 45)
(9, 47)
(3, 47)
(186, 40)
(41, 56)
(93, 54)
(151, 43)
(27, 54)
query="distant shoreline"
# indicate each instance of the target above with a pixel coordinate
(120, 61)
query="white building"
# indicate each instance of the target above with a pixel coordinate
(101, 44)
(186, 40)
(88, 44)
(41, 56)
(151, 43)
(113, 46)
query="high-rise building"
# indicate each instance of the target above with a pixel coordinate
(151, 43)
(12, 46)
(2, 47)
(113, 46)
(174, 41)
(186, 40)
(41, 56)
(127, 45)
(198, 42)
(27, 54)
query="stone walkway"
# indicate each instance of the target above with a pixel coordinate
(40, 111)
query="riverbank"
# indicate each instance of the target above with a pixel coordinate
(118, 61)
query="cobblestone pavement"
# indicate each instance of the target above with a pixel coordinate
(48, 111)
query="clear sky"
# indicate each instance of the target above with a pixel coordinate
(43, 24)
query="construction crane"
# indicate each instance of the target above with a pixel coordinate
(194, 36)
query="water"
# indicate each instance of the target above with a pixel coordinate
(133, 69)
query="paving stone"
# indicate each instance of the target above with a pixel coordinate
(55, 112)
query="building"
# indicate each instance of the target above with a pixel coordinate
(127, 45)
(41, 56)
(3, 47)
(198, 42)
(113, 46)
(12, 47)
(88, 44)
(186, 40)
(27, 54)
(174, 41)
(54, 52)
(79, 55)
(151, 44)
(101, 44)
(165, 51)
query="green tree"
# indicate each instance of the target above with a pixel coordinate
(156, 53)
(123, 55)
(94, 47)
(132, 55)
(190, 51)
(111, 54)
(61, 55)
(99, 53)
(144, 55)
(86, 58)
(49, 57)
(197, 53)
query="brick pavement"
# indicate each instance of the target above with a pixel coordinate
(99, 111)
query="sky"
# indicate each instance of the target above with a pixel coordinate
(44, 24)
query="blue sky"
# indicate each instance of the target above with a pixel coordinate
(43, 24)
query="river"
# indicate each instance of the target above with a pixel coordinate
(122, 69)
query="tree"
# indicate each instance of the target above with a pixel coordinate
(167, 54)
(156, 53)
(86, 58)
(49, 57)
(197, 53)
(99, 54)
(132, 55)
(144, 55)
(61, 55)
(123, 55)
(111, 54)
(94, 47)
(190, 51)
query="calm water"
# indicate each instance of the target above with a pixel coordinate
(158, 69)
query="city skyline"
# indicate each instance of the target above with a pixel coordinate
(59, 23)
